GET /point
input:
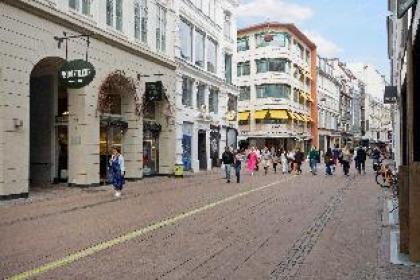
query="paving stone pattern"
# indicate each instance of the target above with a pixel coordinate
(301, 227)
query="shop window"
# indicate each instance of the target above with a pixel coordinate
(140, 20)
(244, 93)
(242, 44)
(187, 91)
(273, 91)
(199, 48)
(185, 33)
(211, 55)
(161, 29)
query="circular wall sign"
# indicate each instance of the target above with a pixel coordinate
(76, 73)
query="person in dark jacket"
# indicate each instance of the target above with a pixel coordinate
(299, 158)
(228, 160)
(360, 160)
(329, 161)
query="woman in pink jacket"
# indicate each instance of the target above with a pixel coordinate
(252, 161)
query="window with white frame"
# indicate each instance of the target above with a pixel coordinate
(81, 6)
(187, 91)
(228, 68)
(114, 14)
(199, 48)
(201, 100)
(140, 20)
(214, 101)
(243, 69)
(211, 55)
(227, 27)
(273, 91)
(244, 93)
(161, 28)
(185, 35)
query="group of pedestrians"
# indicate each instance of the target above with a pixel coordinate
(291, 161)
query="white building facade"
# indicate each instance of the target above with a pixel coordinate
(276, 73)
(58, 134)
(328, 105)
(206, 97)
(378, 122)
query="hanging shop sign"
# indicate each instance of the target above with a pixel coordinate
(154, 91)
(390, 96)
(404, 6)
(77, 73)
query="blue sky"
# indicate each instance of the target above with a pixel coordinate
(353, 30)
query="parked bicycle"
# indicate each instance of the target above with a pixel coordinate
(387, 177)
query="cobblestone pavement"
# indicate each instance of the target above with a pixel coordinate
(267, 227)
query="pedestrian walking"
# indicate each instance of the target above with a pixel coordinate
(360, 159)
(284, 161)
(238, 165)
(117, 171)
(336, 156)
(252, 159)
(291, 160)
(313, 159)
(346, 160)
(228, 159)
(299, 158)
(266, 159)
(257, 166)
(329, 161)
(276, 159)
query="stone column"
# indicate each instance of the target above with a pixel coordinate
(83, 129)
(208, 149)
(132, 142)
(178, 119)
(195, 163)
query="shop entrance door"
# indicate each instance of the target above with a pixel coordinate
(151, 155)
(202, 153)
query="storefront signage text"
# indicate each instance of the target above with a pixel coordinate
(77, 73)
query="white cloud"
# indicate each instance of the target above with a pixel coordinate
(325, 47)
(275, 10)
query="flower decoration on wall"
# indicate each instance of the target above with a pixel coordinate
(118, 83)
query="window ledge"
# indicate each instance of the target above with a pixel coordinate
(82, 17)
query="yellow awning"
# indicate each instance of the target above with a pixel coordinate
(298, 117)
(260, 115)
(278, 114)
(303, 95)
(291, 115)
(243, 116)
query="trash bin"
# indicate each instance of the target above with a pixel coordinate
(179, 170)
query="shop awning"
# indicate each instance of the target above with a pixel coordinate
(291, 115)
(298, 117)
(260, 115)
(278, 114)
(243, 116)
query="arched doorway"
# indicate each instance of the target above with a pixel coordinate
(115, 102)
(48, 124)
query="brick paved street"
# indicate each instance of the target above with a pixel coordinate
(271, 227)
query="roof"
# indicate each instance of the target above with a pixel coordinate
(290, 26)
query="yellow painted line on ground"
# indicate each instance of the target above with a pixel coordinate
(131, 235)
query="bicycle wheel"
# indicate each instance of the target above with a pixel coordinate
(381, 181)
